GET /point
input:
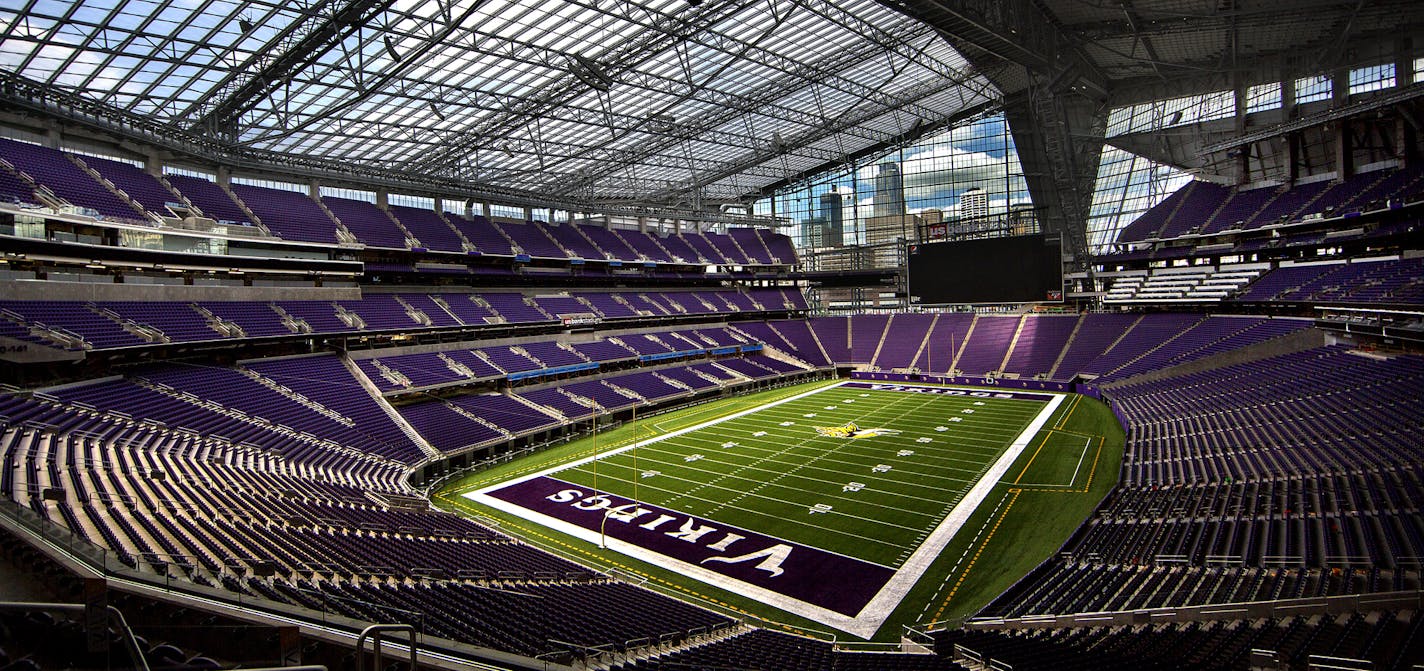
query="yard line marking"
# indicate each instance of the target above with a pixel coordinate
(870, 618)
(965, 445)
(967, 548)
(1086, 444)
(890, 596)
(735, 472)
(991, 411)
(1063, 421)
(723, 404)
(840, 474)
(1071, 481)
(1041, 443)
(649, 484)
(997, 521)
(769, 459)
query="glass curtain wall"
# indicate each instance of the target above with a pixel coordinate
(962, 178)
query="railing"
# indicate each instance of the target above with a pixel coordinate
(1275, 609)
(79, 555)
(130, 642)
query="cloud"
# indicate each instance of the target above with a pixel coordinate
(951, 168)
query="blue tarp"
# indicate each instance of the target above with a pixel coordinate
(560, 370)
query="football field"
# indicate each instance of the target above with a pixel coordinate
(829, 504)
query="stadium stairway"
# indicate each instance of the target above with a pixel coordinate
(636, 658)
(964, 344)
(880, 344)
(1053, 370)
(1013, 342)
(925, 341)
(772, 350)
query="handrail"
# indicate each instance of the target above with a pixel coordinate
(1278, 608)
(129, 641)
(374, 633)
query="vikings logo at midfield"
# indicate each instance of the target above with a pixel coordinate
(850, 430)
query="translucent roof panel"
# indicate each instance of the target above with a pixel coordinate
(635, 100)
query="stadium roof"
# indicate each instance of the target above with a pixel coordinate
(1133, 50)
(640, 102)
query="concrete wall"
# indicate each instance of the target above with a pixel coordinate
(35, 290)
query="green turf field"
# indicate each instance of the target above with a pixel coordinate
(768, 470)
(749, 464)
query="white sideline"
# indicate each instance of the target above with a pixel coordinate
(865, 623)
(875, 613)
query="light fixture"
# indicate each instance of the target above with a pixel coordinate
(391, 48)
(590, 73)
(508, 151)
(245, 24)
(436, 111)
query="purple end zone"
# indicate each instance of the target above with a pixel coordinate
(831, 581)
(945, 391)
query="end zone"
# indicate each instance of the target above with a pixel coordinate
(843, 592)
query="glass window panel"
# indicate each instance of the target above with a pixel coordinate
(1312, 89)
(272, 184)
(418, 202)
(1128, 185)
(969, 176)
(1262, 97)
(1372, 78)
(507, 211)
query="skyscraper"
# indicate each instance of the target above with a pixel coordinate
(889, 190)
(974, 204)
(833, 219)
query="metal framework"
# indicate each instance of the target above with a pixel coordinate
(646, 102)
(646, 106)
(1063, 65)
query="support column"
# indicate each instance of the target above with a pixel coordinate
(1288, 96)
(1340, 88)
(1292, 139)
(1403, 141)
(1059, 137)
(1403, 62)
(1243, 158)
(1344, 158)
(1293, 157)
(152, 164)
